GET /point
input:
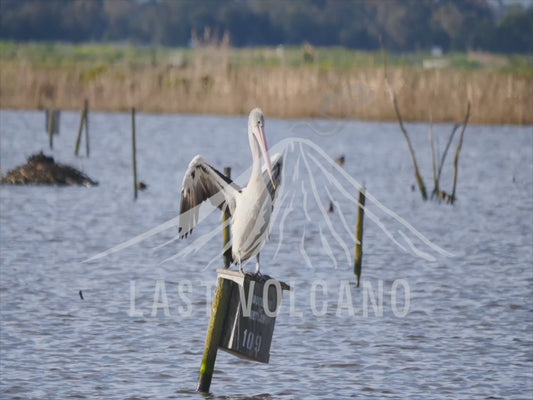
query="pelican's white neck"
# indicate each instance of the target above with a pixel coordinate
(258, 145)
(256, 155)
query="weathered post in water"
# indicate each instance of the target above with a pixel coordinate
(86, 108)
(83, 122)
(242, 319)
(80, 130)
(214, 332)
(226, 232)
(218, 312)
(52, 124)
(359, 235)
(134, 150)
(51, 128)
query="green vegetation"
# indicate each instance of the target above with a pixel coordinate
(286, 81)
(61, 55)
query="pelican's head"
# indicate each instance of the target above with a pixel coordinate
(256, 130)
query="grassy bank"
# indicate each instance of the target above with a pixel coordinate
(285, 82)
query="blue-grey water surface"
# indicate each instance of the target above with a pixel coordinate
(468, 331)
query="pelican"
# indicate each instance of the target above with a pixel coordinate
(250, 207)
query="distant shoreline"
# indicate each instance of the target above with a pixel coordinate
(228, 82)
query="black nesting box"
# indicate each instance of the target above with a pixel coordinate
(251, 315)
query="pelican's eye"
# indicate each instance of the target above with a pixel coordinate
(259, 123)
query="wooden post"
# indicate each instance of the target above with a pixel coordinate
(226, 232)
(242, 330)
(218, 313)
(78, 139)
(83, 120)
(134, 149)
(214, 332)
(51, 127)
(359, 235)
(86, 109)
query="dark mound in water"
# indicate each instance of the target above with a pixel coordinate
(43, 170)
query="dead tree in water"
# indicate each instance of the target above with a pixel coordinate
(433, 157)
(441, 195)
(419, 179)
(459, 146)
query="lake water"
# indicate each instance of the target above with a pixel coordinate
(460, 326)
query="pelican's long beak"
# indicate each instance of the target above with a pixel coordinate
(260, 135)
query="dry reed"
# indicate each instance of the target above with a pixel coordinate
(212, 84)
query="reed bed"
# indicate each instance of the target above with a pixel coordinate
(212, 81)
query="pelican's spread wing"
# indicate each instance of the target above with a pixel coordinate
(203, 182)
(277, 165)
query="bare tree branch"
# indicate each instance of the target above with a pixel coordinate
(455, 127)
(436, 190)
(419, 179)
(456, 161)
